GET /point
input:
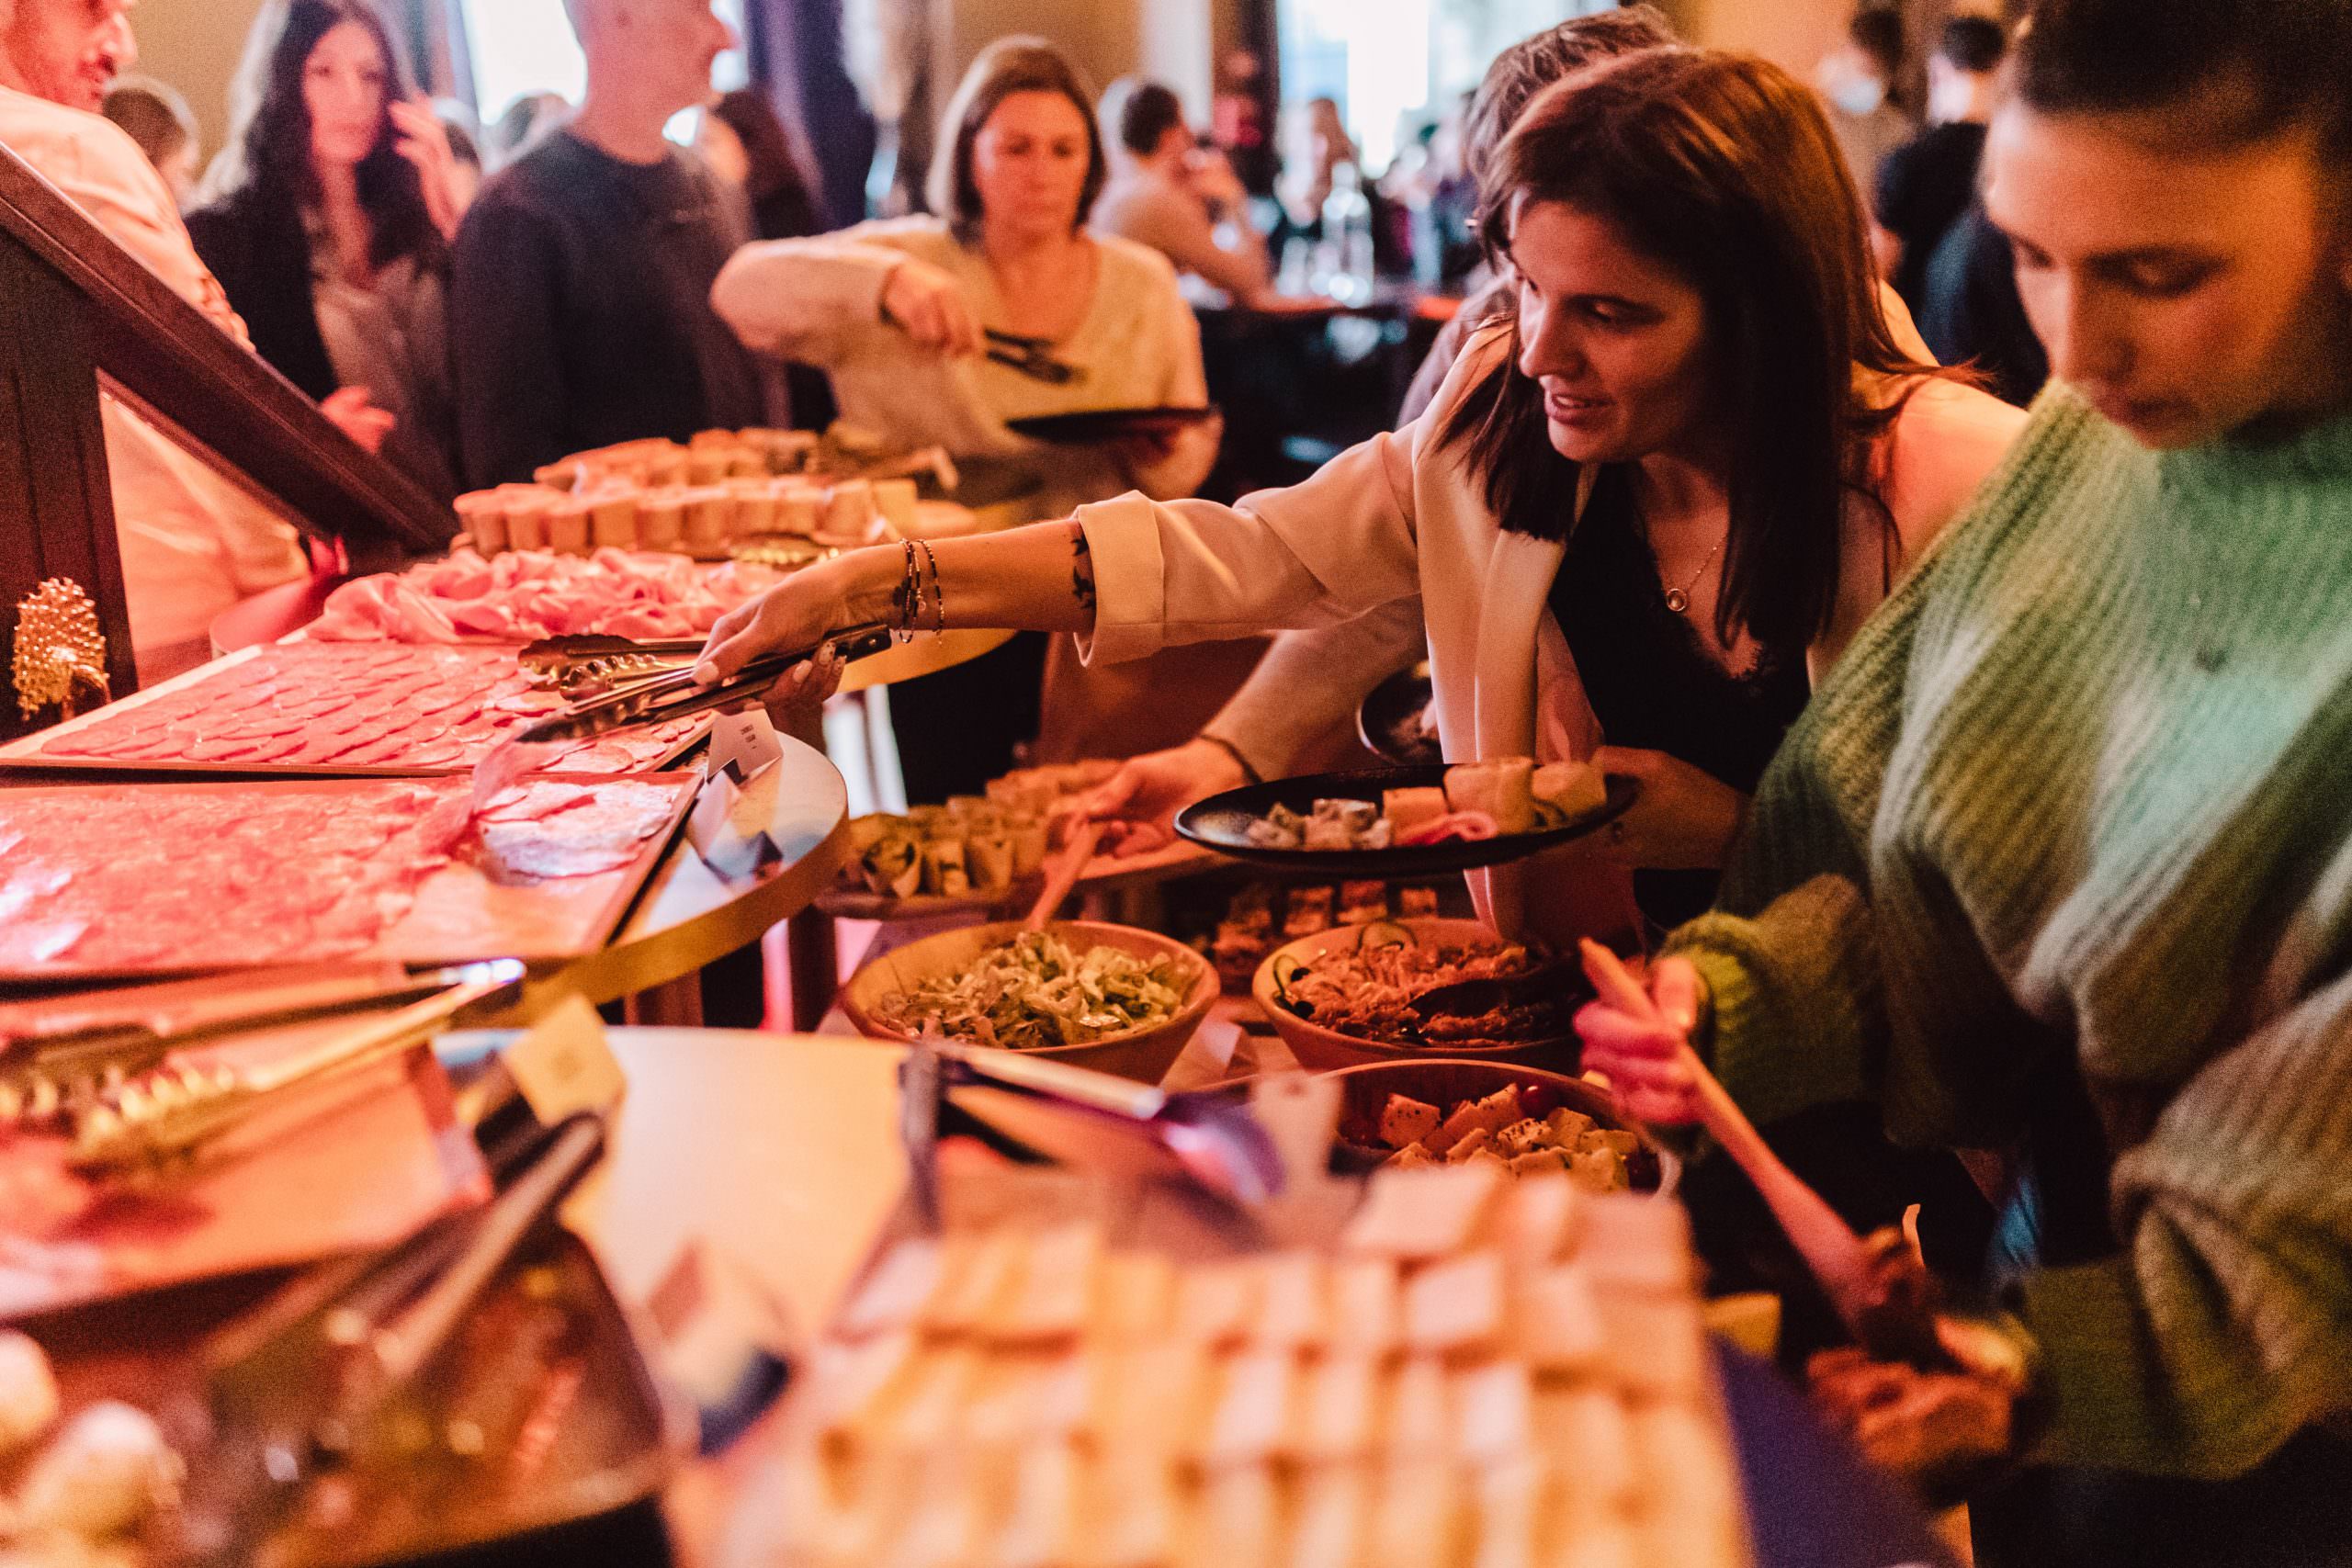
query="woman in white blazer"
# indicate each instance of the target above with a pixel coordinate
(1698, 376)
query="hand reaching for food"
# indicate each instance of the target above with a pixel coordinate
(1156, 785)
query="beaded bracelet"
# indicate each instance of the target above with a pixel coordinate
(938, 595)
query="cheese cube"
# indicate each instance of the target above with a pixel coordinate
(1408, 1214)
(1456, 1305)
(1406, 1121)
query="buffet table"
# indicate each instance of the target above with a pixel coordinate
(784, 1150)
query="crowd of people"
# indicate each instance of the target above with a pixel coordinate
(1991, 830)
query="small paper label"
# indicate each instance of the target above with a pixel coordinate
(744, 745)
(564, 1065)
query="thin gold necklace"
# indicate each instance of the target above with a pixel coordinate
(1679, 599)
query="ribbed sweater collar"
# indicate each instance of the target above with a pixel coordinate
(2321, 454)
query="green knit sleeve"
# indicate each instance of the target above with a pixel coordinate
(2220, 1328)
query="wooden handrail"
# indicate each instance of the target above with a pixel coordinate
(181, 369)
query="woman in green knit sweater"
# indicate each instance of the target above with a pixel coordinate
(2058, 864)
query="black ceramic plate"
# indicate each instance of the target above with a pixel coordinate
(1091, 427)
(1222, 823)
(1389, 721)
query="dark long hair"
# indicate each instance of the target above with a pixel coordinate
(1009, 65)
(779, 185)
(1721, 169)
(268, 153)
(2234, 70)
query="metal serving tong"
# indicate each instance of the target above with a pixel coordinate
(1031, 357)
(360, 1333)
(673, 694)
(150, 1120)
(57, 1058)
(584, 664)
(1081, 1118)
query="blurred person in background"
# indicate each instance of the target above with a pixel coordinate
(1312, 141)
(748, 145)
(1970, 313)
(463, 132)
(581, 284)
(1168, 192)
(522, 124)
(1237, 121)
(192, 545)
(155, 116)
(1925, 184)
(1440, 198)
(328, 218)
(1859, 82)
(898, 312)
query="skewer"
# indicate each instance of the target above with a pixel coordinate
(1838, 1258)
(1063, 874)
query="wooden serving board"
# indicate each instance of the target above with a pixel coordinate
(302, 675)
(77, 859)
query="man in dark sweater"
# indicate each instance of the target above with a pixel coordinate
(580, 310)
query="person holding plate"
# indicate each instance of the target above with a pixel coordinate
(2054, 868)
(900, 312)
(1654, 507)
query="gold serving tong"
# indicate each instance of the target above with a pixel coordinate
(584, 664)
(57, 1056)
(166, 1113)
(673, 694)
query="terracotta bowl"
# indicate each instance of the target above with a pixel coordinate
(1144, 1054)
(1446, 1083)
(1321, 1050)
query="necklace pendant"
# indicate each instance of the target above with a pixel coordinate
(1676, 601)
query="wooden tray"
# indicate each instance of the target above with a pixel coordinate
(1104, 874)
(457, 914)
(30, 754)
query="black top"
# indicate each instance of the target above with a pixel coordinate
(1652, 683)
(1923, 187)
(259, 251)
(1971, 312)
(579, 312)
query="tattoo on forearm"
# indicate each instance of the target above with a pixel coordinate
(1082, 571)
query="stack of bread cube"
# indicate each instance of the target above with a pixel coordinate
(1472, 1372)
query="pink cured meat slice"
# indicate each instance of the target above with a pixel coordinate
(221, 749)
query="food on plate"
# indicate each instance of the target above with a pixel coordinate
(1247, 933)
(976, 844)
(1571, 789)
(304, 705)
(145, 877)
(1362, 903)
(1038, 992)
(1365, 989)
(527, 593)
(1497, 1131)
(1417, 1390)
(1507, 796)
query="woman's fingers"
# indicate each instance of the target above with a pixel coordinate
(1675, 987)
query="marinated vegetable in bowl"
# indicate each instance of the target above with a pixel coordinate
(1366, 990)
(1036, 991)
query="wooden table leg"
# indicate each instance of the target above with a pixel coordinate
(677, 1005)
(812, 965)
